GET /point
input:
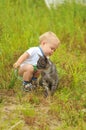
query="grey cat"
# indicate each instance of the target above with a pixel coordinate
(49, 75)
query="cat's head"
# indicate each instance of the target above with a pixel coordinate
(43, 62)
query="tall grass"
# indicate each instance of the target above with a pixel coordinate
(21, 24)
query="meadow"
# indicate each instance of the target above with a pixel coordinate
(21, 24)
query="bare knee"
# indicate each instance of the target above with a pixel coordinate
(26, 68)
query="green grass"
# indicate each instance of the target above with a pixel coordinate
(21, 24)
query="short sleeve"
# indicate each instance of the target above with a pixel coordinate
(30, 51)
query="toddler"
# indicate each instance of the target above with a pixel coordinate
(27, 62)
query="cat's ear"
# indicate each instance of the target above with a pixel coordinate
(39, 55)
(45, 57)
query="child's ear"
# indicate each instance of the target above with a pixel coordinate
(43, 42)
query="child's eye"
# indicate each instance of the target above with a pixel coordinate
(53, 49)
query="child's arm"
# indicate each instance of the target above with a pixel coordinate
(22, 58)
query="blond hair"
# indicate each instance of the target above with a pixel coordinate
(48, 36)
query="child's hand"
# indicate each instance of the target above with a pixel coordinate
(36, 74)
(16, 65)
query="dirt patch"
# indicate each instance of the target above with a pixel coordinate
(13, 105)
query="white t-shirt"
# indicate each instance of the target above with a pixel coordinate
(34, 53)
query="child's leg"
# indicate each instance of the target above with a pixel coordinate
(26, 72)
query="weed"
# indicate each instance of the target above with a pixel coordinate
(19, 29)
(29, 115)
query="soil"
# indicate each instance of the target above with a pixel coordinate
(43, 119)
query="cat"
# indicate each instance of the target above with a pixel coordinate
(49, 75)
(42, 64)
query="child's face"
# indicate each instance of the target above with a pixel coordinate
(49, 48)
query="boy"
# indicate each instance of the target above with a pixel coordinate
(28, 60)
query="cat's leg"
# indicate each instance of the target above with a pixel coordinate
(53, 88)
(47, 90)
(35, 83)
(45, 94)
(44, 84)
(40, 82)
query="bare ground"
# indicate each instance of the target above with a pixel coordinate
(11, 109)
